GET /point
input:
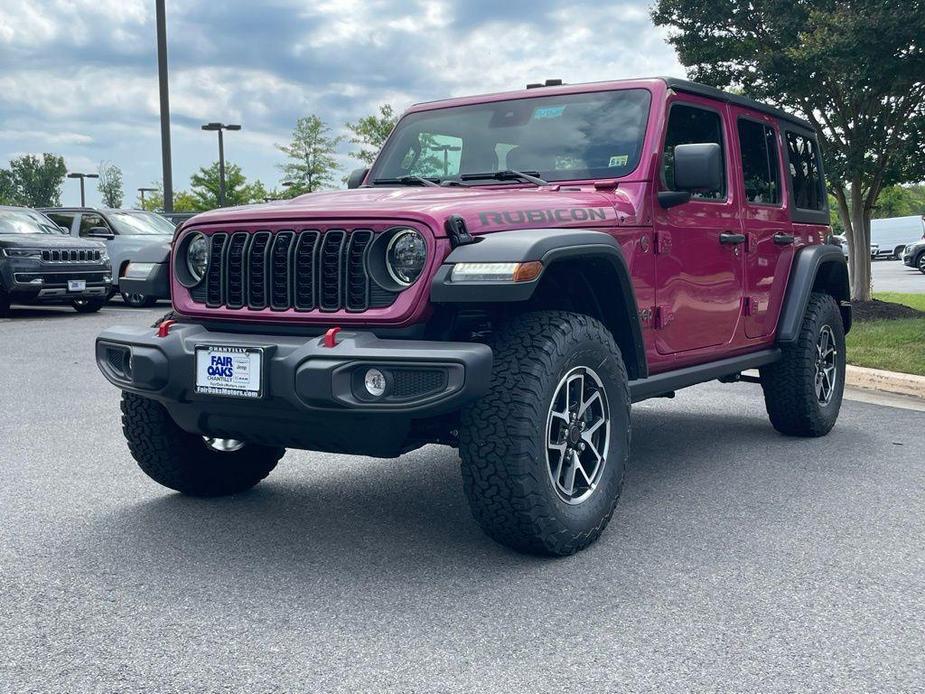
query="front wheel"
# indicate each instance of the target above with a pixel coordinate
(88, 305)
(803, 390)
(188, 463)
(545, 451)
(4, 304)
(920, 263)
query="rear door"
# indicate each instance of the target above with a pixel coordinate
(765, 219)
(699, 245)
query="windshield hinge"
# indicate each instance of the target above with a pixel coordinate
(458, 233)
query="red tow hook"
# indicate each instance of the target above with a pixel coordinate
(164, 328)
(330, 337)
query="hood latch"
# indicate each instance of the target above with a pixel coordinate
(458, 232)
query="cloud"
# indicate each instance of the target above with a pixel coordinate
(79, 77)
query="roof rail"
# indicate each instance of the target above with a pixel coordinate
(547, 83)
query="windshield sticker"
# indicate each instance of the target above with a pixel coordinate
(619, 160)
(547, 112)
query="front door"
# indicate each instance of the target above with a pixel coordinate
(700, 249)
(765, 220)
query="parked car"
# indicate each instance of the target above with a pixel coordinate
(178, 218)
(510, 275)
(39, 264)
(893, 235)
(842, 241)
(138, 243)
(914, 255)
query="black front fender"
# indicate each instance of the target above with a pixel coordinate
(819, 268)
(549, 246)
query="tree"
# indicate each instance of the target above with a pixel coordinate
(154, 200)
(312, 165)
(110, 184)
(854, 68)
(204, 186)
(370, 132)
(37, 182)
(7, 188)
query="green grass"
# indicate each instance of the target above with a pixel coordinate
(913, 300)
(893, 345)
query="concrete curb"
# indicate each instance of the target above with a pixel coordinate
(888, 381)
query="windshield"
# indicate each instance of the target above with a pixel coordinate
(162, 223)
(26, 222)
(559, 138)
(135, 223)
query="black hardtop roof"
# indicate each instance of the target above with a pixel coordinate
(689, 87)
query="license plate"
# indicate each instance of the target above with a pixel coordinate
(76, 285)
(230, 371)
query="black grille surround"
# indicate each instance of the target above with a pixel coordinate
(303, 270)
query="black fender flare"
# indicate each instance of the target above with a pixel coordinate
(815, 268)
(548, 246)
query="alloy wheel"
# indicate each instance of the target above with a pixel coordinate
(826, 365)
(577, 435)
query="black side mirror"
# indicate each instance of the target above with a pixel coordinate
(100, 233)
(698, 167)
(356, 178)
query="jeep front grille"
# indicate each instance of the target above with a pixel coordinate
(309, 270)
(72, 255)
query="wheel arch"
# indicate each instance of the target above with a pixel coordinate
(581, 269)
(820, 268)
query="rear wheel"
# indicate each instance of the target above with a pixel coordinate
(803, 390)
(136, 300)
(545, 451)
(189, 463)
(88, 305)
(898, 252)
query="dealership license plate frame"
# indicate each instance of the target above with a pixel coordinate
(226, 392)
(77, 285)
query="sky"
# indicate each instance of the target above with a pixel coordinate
(79, 78)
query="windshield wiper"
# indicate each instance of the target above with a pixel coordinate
(407, 181)
(506, 175)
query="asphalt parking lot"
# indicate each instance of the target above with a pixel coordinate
(737, 559)
(894, 276)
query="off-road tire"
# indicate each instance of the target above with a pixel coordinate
(182, 461)
(789, 384)
(503, 435)
(90, 306)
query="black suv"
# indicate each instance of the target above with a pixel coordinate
(41, 264)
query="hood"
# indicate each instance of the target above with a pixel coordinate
(47, 241)
(485, 208)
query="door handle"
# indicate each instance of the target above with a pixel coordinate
(731, 238)
(784, 239)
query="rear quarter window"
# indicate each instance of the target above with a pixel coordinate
(805, 172)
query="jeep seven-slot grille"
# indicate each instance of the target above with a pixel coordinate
(76, 255)
(305, 270)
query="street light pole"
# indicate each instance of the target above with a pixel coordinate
(220, 128)
(161, 21)
(82, 176)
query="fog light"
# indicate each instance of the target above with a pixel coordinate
(374, 382)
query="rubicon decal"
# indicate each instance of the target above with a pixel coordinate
(555, 215)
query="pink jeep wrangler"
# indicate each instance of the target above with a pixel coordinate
(511, 274)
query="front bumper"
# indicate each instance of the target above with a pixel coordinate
(149, 279)
(312, 395)
(33, 281)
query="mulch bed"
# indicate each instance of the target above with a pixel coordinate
(883, 310)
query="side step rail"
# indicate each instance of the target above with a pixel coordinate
(661, 384)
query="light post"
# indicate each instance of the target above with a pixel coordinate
(219, 128)
(142, 191)
(82, 176)
(160, 16)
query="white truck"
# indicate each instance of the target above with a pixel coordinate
(891, 236)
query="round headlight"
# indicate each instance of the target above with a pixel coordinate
(405, 256)
(197, 256)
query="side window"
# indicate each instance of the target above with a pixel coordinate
(61, 219)
(690, 125)
(805, 172)
(760, 163)
(88, 220)
(434, 155)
